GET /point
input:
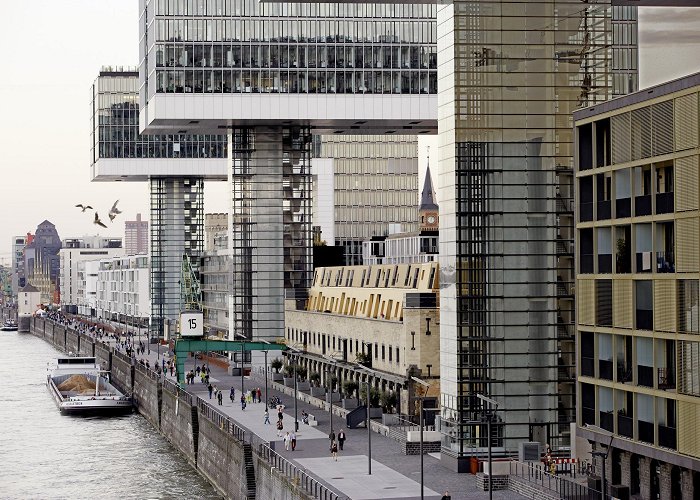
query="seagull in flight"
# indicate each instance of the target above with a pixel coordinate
(84, 207)
(98, 222)
(114, 211)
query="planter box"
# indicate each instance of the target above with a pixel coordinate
(277, 377)
(303, 386)
(390, 419)
(334, 395)
(289, 382)
(350, 403)
(376, 413)
(318, 392)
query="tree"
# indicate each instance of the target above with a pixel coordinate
(350, 387)
(388, 400)
(315, 378)
(373, 395)
(276, 364)
(301, 372)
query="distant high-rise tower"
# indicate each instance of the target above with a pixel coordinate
(136, 236)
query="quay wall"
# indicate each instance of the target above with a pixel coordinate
(71, 341)
(210, 441)
(220, 456)
(178, 421)
(147, 394)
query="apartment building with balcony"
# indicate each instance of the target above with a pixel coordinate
(637, 288)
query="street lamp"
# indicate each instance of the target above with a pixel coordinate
(296, 395)
(367, 418)
(602, 454)
(491, 403)
(242, 361)
(425, 385)
(330, 386)
(265, 352)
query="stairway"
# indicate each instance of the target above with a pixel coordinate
(356, 417)
(249, 470)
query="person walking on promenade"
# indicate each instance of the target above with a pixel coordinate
(280, 426)
(232, 394)
(331, 437)
(446, 496)
(220, 397)
(259, 395)
(293, 437)
(267, 417)
(279, 413)
(341, 439)
(287, 441)
(242, 402)
(172, 368)
(334, 451)
(198, 369)
(253, 394)
(210, 389)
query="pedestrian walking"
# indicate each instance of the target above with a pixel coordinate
(220, 397)
(279, 412)
(331, 437)
(287, 441)
(242, 402)
(446, 496)
(172, 368)
(334, 451)
(210, 388)
(267, 417)
(232, 394)
(253, 395)
(293, 437)
(280, 426)
(341, 439)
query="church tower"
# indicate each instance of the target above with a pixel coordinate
(428, 210)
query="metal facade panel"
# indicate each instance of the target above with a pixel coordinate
(687, 183)
(665, 305)
(687, 245)
(662, 132)
(586, 301)
(622, 304)
(686, 122)
(620, 132)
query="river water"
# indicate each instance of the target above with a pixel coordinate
(44, 454)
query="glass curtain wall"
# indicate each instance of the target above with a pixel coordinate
(516, 72)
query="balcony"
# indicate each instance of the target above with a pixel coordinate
(645, 431)
(605, 369)
(664, 203)
(644, 264)
(665, 262)
(642, 205)
(625, 425)
(586, 264)
(587, 367)
(667, 437)
(604, 263)
(606, 420)
(666, 379)
(645, 376)
(623, 208)
(585, 212)
(645, 319)
(604, 210)
(624, 373)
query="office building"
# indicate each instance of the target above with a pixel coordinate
(638, 220)
(375, 186)
(174, 164)
(121, 289)
(17, 279)
(136, 236)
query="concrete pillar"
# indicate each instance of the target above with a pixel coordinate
(644, 475)
(626, 476)
(177, 229)
(687, 484)
(665, 481)
(269, 226)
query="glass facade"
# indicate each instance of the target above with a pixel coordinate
(115, 125)
(243, 46)
(376, 185)
(514, 73)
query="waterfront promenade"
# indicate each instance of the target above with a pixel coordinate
(394, 475)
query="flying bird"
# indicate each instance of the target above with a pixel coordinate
(114, 211)
(84, 207)
(98, 221)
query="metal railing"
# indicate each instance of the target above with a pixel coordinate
(565, 488)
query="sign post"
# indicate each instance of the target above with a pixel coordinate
(191, 324)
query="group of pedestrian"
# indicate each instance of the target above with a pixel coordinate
(290, 441)
(334, 445)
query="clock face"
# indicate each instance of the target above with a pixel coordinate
(431, 219)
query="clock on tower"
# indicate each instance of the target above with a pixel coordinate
(428, 211)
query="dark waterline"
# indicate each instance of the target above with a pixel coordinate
(44, 454)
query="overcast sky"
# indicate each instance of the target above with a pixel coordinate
(53, 51)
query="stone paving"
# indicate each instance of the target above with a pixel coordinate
(394, 475)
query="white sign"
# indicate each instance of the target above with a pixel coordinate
(191, 324)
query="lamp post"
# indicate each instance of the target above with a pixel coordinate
(367, 418)
(491, 403)
(265, 352)
(242, 361)
(425, 385)
(602, 454)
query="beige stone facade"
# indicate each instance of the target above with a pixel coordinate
(389, 313)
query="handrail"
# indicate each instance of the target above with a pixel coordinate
(565, 488)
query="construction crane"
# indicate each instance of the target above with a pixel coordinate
(190, 290)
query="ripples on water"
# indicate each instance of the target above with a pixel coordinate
(44, 454)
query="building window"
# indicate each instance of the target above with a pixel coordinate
(644, 300)
(603, 300)
(383, 352)
(390, 354)
(376, 350)
(688, 310)
(397, 355)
